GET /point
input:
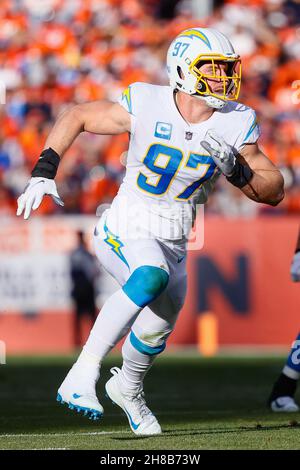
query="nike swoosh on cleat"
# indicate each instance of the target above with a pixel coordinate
(135, 426)
(76, 396)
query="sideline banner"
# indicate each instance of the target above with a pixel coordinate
(34, 269)
(242, 276)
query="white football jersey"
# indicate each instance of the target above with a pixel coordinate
(167, 171)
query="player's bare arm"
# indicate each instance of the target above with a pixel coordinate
(266, 183)
(98, 117)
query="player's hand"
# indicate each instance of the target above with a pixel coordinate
(34, 193)
(295, 267)
(220, 151)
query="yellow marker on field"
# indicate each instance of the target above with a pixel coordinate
(207, 334)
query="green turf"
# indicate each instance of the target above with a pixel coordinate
(201, 404)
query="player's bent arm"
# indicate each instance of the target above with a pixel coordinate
(98, 117)
(266, 184)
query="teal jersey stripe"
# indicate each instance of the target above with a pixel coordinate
(252, 127)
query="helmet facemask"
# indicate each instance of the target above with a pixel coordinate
(230, 83)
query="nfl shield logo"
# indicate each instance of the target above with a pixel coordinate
(188, 135)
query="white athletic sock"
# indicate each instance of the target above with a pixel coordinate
(87, 365)
(84, 374)
(134, 368)
(113, 322)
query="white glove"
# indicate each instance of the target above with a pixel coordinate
(295, 267)
(34, 193)
(220, 152)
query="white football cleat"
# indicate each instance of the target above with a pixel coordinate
(284, 405)
(78, 391)
(141, 420)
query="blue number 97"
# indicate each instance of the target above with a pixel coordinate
(180, 46)
(165, 173)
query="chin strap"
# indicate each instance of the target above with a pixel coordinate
(214, 102)
(211, 101)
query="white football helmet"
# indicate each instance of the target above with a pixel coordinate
(193, 47)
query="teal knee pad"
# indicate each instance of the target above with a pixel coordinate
(145, 284)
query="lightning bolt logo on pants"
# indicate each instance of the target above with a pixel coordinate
(115, 243)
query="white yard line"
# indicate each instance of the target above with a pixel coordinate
(50, 434)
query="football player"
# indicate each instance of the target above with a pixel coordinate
(282, 395)
(182, 138)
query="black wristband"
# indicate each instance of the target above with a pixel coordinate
(241, 176)
(46, 166)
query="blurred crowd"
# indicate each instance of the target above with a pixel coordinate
(56, 53)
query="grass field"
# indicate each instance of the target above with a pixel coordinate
(201, 403)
